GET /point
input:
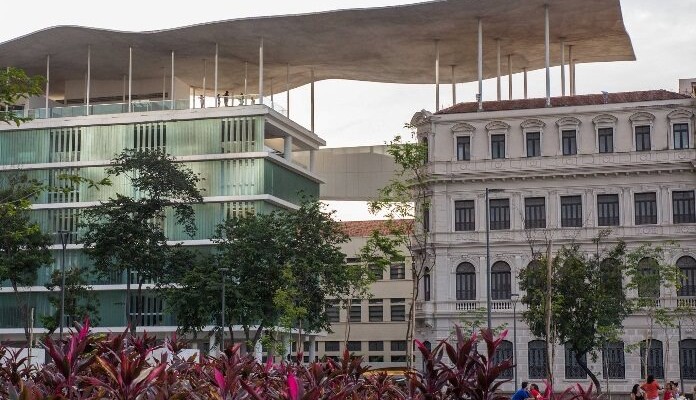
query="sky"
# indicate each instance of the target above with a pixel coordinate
(350, 113)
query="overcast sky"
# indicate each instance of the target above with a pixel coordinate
(352, 113)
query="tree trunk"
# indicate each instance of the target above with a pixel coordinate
(549, 338)
(23, 312)
(247, 336)
(138, 305)
(300, 343)
(583, 365)
(411, 319)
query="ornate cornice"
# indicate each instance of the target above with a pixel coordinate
(642, 116)
(497, 126)
(533, 123)
(421, 118)
(463, 127)
(680, 113)
(568, 121)
(607, 119)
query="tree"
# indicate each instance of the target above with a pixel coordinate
(80, 301)
(406, 202)
(587, 299)
(16, 85)
(127, 233)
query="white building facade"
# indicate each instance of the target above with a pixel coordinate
(621, 161)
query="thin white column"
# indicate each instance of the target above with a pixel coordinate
(89, 74)
(246, 76)
(524, 70)
(215, 90)
(287, 86)
(547, 56)
(287, 148)
(311, 87)
(164, 86)
(437, 75)
(563, 80)
(124, 88)
(480, 64)
(454, 88)
(171, 89)
(205, 73)
(312, 160)
(500, 95)
(48, 80)
(130, 79)
(272, 102)
(509, 62)
(261, 72)
(571, 69)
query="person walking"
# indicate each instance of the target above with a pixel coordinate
(651, 388)
(226, 97)
(637, 393)
(522, 393)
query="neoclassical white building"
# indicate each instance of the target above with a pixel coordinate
(623, 161)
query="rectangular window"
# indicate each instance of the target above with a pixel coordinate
(398, 345)
(497, 146)
(426, 287)
(533, 144)
(572, 367)
(499, 214)
(606, 140)
(681, 136)
(376, 271)
(398, 310)
(683, 207)
(608, 210)
(569, 142)
(534, 212)
(646, 208)
(331, 346)
(571, 211)
(464, 215)
(397, 271)
(376, 310)
(426, 219)
(376, 345)
(375, 359)
(399, 359)
(332, 311)
(614, 361)
(354, 345)
(463, 148)
(355, 314)
(642, 138)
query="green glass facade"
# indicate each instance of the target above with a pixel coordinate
(229, 154)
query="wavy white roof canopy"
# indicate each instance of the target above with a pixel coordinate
(390, 44)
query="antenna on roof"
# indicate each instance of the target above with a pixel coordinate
(606, 96)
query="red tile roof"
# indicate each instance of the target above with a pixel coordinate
(365, 228)
(566, 101)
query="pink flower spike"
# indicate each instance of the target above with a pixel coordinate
(292, 386)
(420, 345)
(219, 379)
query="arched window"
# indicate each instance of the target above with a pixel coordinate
(532, 279)
(649, 284)
(687, 267)
(655, 360)
(614, 360)
(610, 270)
(687, 348)
(500, 281)
(537, 359)
(572, 366)
(466, 281)
(502, 353)
(426, 286)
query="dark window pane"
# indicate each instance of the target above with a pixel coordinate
(376, 271)
(463, 148)
(649, 283)
(398, 345)
(614, 361)
(376, 345)
(355, 314)
(399, 359)
(499, 214)
(464, 215)
(398, 310)
(569, 142)
(354, 345)
(534, 212)
(533, 144)
(687, 348)
(646, 208)
(606, 140)
(331, 346)
(466, 282)
(683, 207)
(501, 281)
(332, 311)
(643, 138)
(375, 359)
(681, 136)
(687, 267)
(655, 360)
(571, 211)
(572, 367)
(537, 359)
(502, 353)
(497, 146)
(376, 313)
(397, 271)
(608, 210)
(426, 287)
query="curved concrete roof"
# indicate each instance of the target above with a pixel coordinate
(390, 44)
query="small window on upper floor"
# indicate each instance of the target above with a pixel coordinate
(571, 211)
(646, 208)
(534, 212)
(569, 142)
(497, 146)
(681, 136)
(397, 271)
(608, 210)
(533, 144)
(463, 148)
(464, 215)
(606, 140)
(499, 214)
(683, 207)
(642, 133)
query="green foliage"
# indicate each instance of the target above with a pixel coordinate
(474, 321)
(81, 302)
(16, 85)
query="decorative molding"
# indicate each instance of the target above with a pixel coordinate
(642, 116)
(533, 123)
(680, 114)
(497, 126)
(463, 127)
(568, 121)
(604, 119)
(421, 118)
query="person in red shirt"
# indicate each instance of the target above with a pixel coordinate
(651, 388)
(534, 392)
(669, 392)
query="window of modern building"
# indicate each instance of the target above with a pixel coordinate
(398, 358)
(502, 353)
(375, 345)
(534, 212)
(501, 281)
(614, 360)
(569, 142)
(681, 136)
(354, 345)
(497, 146)
(572, 367)
(426, 286)
(376, 271)
(656, 366)
(499, 214)
(533, 144)
(536, 352)
(571, 211)
(687, 267)
(649, 288)
(608, 210)
(397, 271)
(332, 311)
(463, 148)
(683, 207)
(646, 208)
(642, 133)
(466, 282)
(355, 314)
(331, 346)
(606, 140)
(464, 215)
(398, 345)
(375, 359)
(687, 350)
(398, 310)
(376, 310)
